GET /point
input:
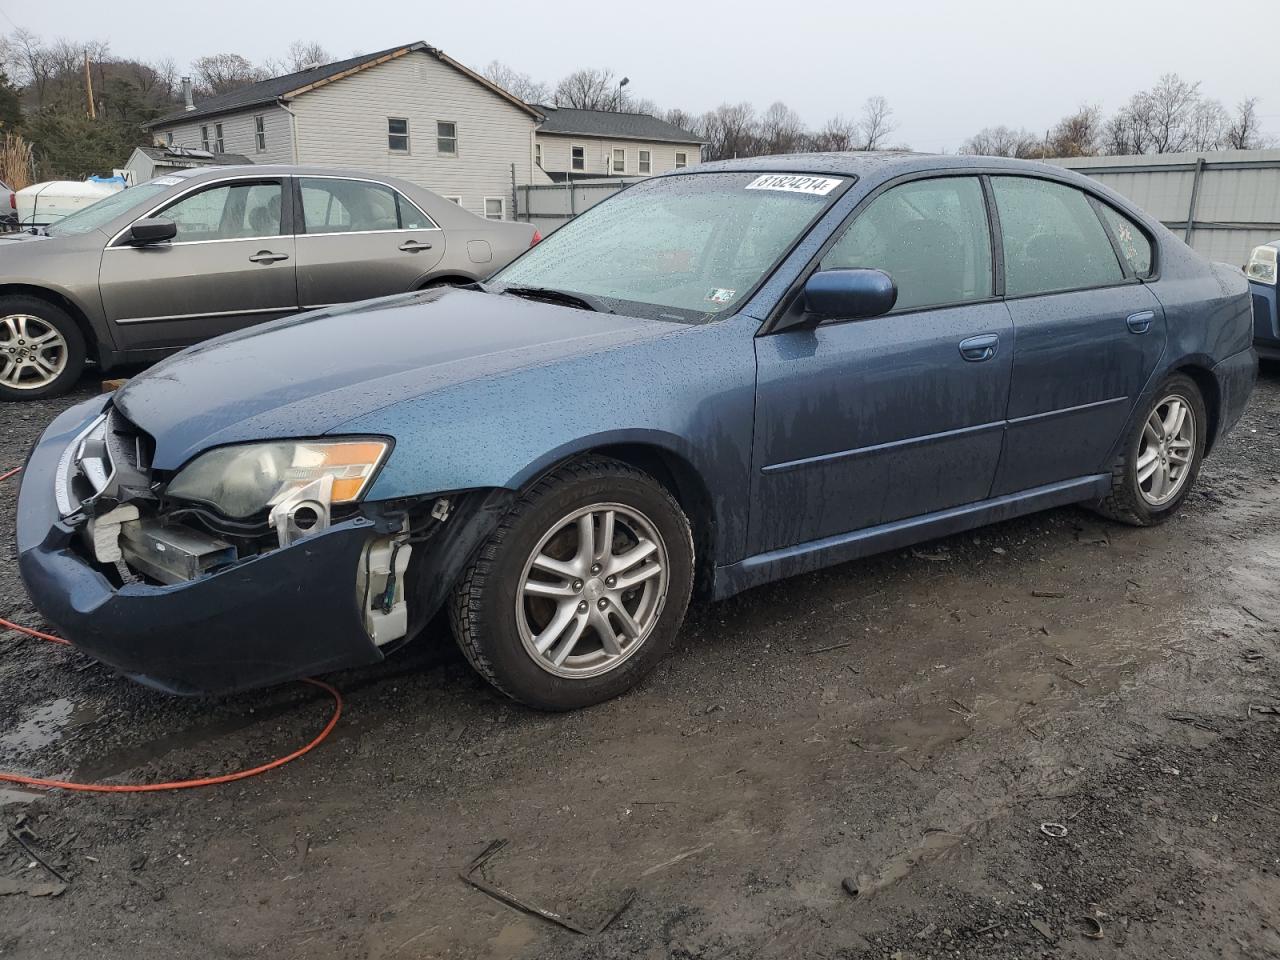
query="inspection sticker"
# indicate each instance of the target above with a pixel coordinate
(793, 183)
(721, 295)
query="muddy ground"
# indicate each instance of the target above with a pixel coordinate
(902, 726)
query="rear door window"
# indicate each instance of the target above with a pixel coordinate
(931, 236)
(1053, 240)
(356, 206)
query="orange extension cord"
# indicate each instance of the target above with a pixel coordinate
(176, 784)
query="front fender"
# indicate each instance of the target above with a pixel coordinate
(691, 393)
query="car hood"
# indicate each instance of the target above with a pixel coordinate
(304, 376)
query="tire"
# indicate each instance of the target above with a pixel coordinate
(1131, 500)
(21, 315)
(499, 616)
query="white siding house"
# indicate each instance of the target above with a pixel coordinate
(580, 144)
(410, 112)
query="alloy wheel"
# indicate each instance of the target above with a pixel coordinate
(1166, 450)
(33, 353)
(592, 590)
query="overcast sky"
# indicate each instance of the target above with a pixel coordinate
(947, 69)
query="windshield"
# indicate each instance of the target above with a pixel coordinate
(107, 209)
(683, 248)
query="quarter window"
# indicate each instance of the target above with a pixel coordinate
(578, 158)
(931, 236)
(356, 206)
(397, 135)
(1052, 238)
(1133, 243)
(230, 211)
(447, 138)
(682, 159)
(495, 208)
(619, 160)
(260, 133)
(644, 162)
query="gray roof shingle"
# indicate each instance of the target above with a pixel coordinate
(607, 123)
(269, 91)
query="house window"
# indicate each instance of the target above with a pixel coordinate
(217, 133)
(619, 160)
(645, 162)
(168, 139)
(447, 138)
(397, 135)
(682, 159)
(204, 138)
(578, 158)
(537, 154)
(457, 200)
(495, 208)
(260, 133)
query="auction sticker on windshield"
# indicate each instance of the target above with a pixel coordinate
(791, 183)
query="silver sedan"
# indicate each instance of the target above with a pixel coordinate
(202, 252)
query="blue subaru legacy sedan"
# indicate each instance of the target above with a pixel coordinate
(720, 377)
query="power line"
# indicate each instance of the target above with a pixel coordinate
(10, 19)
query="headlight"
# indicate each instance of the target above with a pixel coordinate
(243, 480)
(1262, 265)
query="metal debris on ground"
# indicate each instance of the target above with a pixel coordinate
(474, 876)
(22, 834)
(1091, 927)
(1049, 594)
(1055, 830)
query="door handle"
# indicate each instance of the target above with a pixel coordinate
(414, 246)
(977, 349)
(266, 256)
(1140, 322)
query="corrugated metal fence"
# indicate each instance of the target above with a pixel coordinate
(550, 206)
(1223, 204)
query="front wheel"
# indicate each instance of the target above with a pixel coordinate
(42, 351)
(580, 591)
(1161, 457)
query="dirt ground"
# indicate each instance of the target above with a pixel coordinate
(901, 726)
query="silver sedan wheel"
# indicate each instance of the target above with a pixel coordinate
(32, 352)
(1165, 450)
(592, 591)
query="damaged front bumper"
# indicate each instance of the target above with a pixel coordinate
(242, 623)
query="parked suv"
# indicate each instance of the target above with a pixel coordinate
(199, 253)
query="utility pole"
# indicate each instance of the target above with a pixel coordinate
(88, 87)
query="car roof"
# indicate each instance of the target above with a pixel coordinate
(274, 170)
(878, 163)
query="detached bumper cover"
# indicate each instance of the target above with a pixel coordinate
(284, 615)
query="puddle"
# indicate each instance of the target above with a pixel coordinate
(46, 724)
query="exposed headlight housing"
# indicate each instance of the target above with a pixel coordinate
(246, 479)
(1262, 265)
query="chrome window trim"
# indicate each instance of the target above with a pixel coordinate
(351, 233)
(194, 243)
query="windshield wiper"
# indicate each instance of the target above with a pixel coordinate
(584, 300)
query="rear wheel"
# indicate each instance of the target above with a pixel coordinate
(41, 349)
(1161, 457)
(580, 590)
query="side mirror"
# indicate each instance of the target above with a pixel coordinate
(854, 294)
(144, 232)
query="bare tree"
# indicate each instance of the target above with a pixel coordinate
(781, 130)
(587, 89)
(1244, 131)
(837, 134)
(876, 123)
(1167, 112)
(223, 72)
(303, 55)
(1208, 125)
(682, 119)
(1078, 134)
(730, 131)
(1002, 141)
(519, 85)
